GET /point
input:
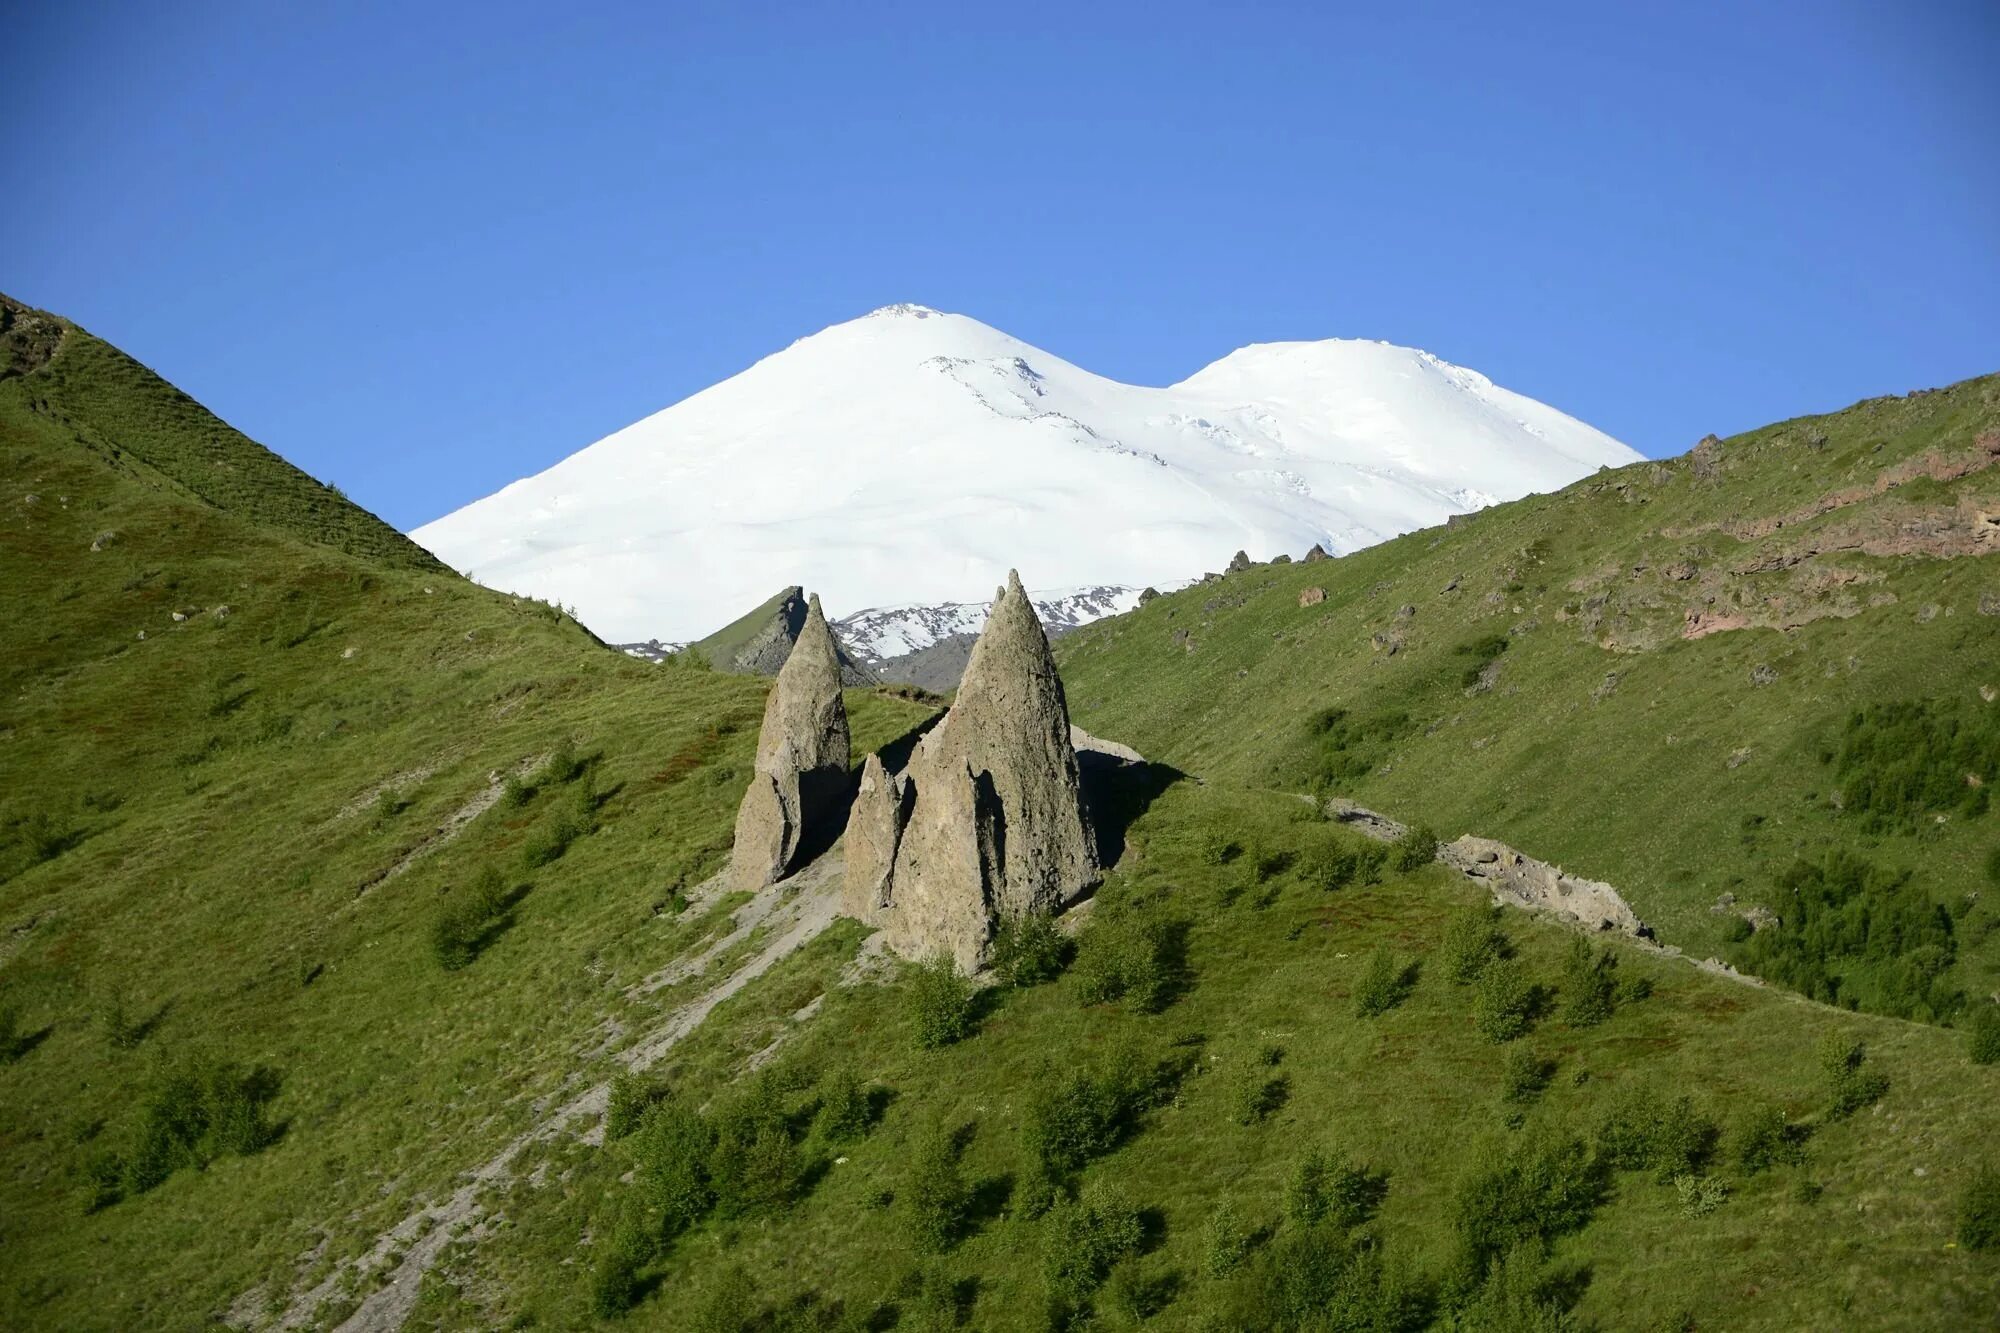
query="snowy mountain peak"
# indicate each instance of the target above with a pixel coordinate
(912, 456)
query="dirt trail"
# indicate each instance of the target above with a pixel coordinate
(794, 912)
(482, 801)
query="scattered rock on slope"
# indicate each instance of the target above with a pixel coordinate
(802, 755)
(987, 819)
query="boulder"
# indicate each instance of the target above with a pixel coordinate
(802, 756)
(1312, 596)
(1317, 552)
(1238, 563)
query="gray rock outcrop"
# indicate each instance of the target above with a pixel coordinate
(1538, 886)
(802, 756)
(986, 821)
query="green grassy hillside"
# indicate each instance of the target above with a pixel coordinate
(1692, 678)
(334, 889)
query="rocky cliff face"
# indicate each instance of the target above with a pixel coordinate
(802, 757)
(987, 819)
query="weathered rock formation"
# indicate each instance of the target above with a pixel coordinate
(1540, 887)
(802, 755)
(986, 821)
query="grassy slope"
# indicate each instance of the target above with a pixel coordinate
(1686, 778)
(217, 779)
(221, 774)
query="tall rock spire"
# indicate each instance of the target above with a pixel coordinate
(987, 820)
(802, 756)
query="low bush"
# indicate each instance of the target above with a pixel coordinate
(940, 1002)
(1029, 950)
(1225, 1241)
(1417, 848)
(1699, 1195)
(1762, 1138)
(1323, 1278)
(1472, 939)
(1539, 1192)
(563, 766)
(1850, 1084)
(845, 1111)
(754, 1164)
(576, 818)
(1384, 983)
(1135, 958)
(1900, 764)
(1524, 1075)
(1080, 1243)
(670, 1152)
(632, 1095)
(614, 1279)
(1857, 934)
(934, 1198)
(194, 1113)
(1517, 1295)
(1324, 1189)
(1075, 1116)
(1504, 1001)
(468, 919)
(1670, 1136)
(1982, 1037)
(1979, 1210)
(1589, 984)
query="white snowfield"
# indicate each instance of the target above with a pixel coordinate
(912, 457)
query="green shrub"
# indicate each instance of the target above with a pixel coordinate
(1341, 748)
(1524, 1075)
(1384, 982)
(1763, 1138)
(1322, 1189)
(1479, 653)
(1503, 1001)
(1859, 934)
(1134, 958)
(1518, 1295)
(515, 793)
(1472, 939)
(670, 1152)
(1082, 1240)
(1979, 1210)
(562, 767)
(1850, 1085)
(632, 1095)
(1029, 950)
(1899, 764)
(1589, 984)
(1670, 1136)
(1323, 1278)
(614, 1281)
(753, 1164)
(726, 1304)
(576, 818)
(1416, 849)
(1982, 1038)
(1074, 1116)
(935, 1199)
(1225, 1241)
(467, 920)
(940, 1002)
(192, 1114)
(845, 1111)
(1699, 1195)
(1539, 1192)
(1258, 1092)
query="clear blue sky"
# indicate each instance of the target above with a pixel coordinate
(423, 252)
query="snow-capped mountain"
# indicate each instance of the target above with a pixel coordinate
(910, 458)
(881, 633)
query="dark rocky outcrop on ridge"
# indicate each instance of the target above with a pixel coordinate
(759, 643)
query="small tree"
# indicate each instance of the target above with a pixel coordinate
(1503, 1003)
(614, 1282)
(1083, 1240)
(940, 1000)
(1979, 1210)
(1226, 1241)
(1416, 849)
(1850, 1084)
(844, 1108)
(1472, 939)
(1589, 985)
(1982, 1040)
(467, 918)
(936, 1200)
(1029, 950)
(1524, 1075)
(632, 1095)
(1383, 984)
(1763, 1138)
